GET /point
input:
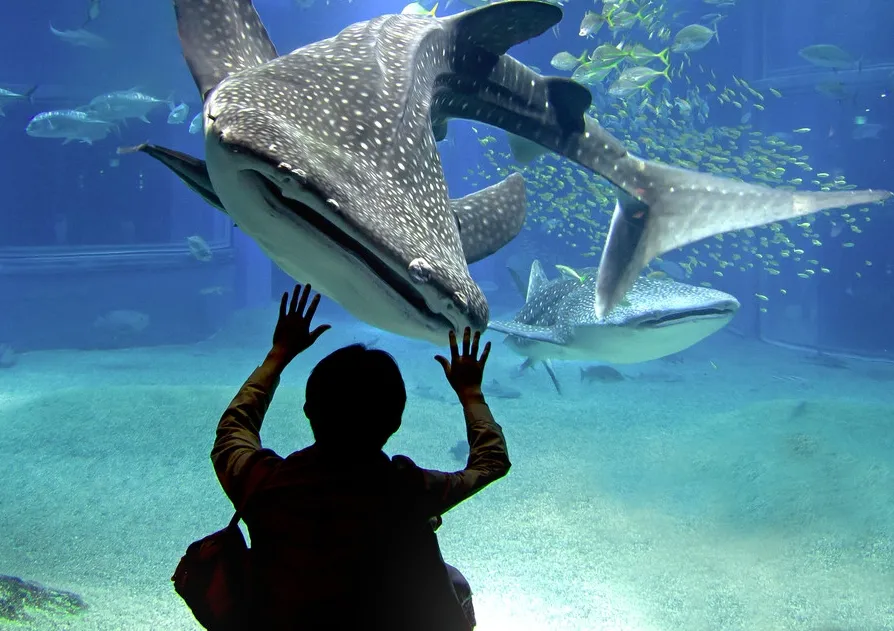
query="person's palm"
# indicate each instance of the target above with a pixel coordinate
(465, 371)
(293, 334)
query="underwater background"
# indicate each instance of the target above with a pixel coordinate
(745, 483)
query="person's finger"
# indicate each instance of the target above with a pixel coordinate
(312, 309)
(282, 305)
(302, 303)
(467, 337)
(317, 332)
(484, 355)
(295, 292)
(475, 339)
(454, 352)
(444, 364)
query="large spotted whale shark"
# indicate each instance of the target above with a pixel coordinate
(327, 158)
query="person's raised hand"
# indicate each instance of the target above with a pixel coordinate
(293, 333)
(465, 371)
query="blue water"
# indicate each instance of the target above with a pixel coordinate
(744, 483)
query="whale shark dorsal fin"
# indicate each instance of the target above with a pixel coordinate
(191, 170)
(536, 279)
(520, 285)
(490, 218)
(221, 38)
(498, 27)
(570, 101)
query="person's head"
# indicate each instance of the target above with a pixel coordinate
(355, 398)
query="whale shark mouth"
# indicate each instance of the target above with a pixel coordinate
(690, 315)
(366, 254)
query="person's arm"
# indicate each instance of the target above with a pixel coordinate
(239, 430)
(237, 454)
(438, 491)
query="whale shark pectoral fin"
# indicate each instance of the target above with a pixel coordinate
(548, 365)
(498, 27)
(191, 170)
(490, 218)
(221, 38)
(676, 207)
(527, 331)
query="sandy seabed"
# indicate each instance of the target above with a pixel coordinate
(746, 488)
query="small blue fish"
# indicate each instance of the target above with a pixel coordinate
(80, 37)
(92, 11)
(196, 125)
(178, 114)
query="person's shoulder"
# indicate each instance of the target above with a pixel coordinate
(300, 458)
(407, 475)
(403, 463)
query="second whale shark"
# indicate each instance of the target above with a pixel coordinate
(656, 318)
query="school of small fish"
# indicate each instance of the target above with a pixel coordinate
(672, 123)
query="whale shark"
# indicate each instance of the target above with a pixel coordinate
(491, 217)
(658, 317)
(327, 158)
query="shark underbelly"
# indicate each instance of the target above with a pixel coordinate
(309, 256)
(622, 345)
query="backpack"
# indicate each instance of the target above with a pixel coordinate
(212, 577)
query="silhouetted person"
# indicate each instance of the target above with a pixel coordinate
(341, 535)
